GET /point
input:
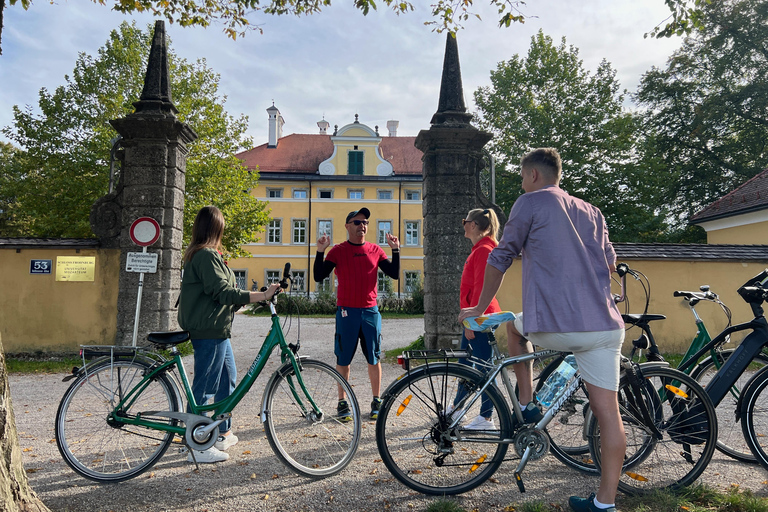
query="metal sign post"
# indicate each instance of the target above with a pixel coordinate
(144, 232)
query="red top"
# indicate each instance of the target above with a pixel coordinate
(357, 271)
(473, 274)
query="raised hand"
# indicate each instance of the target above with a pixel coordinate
(323, 242)
(392, 241)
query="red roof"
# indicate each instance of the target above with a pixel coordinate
(303, 153)
(752, 195)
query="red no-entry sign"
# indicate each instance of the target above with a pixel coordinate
(145, 231)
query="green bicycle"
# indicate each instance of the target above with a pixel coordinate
(124, 409)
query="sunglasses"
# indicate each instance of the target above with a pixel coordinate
(358, 222)
(464, 222)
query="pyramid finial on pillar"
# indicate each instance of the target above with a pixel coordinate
(451, 108)
(156, 96)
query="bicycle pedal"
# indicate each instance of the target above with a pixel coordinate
(519, 481)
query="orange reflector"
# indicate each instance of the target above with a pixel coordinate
(679, 392)
(477, 464)
(635, 476)
(404, 405)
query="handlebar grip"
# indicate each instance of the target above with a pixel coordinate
(286, 276)
(678, 294)
(622, 269)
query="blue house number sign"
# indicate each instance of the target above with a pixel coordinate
(40, 266)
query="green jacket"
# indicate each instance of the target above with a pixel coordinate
(209, 296)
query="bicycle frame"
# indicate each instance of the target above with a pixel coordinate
(222, 409)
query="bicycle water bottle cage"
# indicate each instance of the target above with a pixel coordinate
(486, 323)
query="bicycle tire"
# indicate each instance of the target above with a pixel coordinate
(754, 418)
(411, 431)
(104, 452)
(312, 447)
(566, 430)
(686, 420)
(731, 440)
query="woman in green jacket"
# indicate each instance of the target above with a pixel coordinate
(208, 302)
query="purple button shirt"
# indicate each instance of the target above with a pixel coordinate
(566, 257)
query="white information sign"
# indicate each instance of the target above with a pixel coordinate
(142, 262)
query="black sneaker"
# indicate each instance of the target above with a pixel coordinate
(532, 413)
(343, 413)
(375, 407)
(587, 504)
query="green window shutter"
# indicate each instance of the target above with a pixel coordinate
(355, 162)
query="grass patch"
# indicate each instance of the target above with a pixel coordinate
(37, 363)
(390, 356)
(443, 505)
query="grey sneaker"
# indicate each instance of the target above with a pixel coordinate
(343, 412)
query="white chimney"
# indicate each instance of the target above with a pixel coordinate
(392, 127)
(275, 126)
(323, 125)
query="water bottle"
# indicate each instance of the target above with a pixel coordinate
(557, 381)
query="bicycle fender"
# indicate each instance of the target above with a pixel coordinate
(747, 391)
(423, 369)
(279, 373)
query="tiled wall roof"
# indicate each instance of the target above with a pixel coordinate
(710, 252)
(52, 243)
(750, 196)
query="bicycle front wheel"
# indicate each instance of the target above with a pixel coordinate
(311, 445)
(100, 448)
(754, 419)
(419, 448)
(730, 440)
(683, 414)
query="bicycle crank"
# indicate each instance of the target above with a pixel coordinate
(536, 440)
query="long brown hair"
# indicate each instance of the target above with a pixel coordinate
(206, 231)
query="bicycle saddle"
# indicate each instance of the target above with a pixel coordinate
(636, 319)
(487, 322)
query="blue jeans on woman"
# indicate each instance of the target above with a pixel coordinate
(215, 373)
(481, 349)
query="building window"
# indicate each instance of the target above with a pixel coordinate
(241, 279)
(273, 276)
(325, 285)
(384, 285)
(274, 192)
(325, 193)
(299, 281)
(355, 162)
(299, 193)
(325, 227)
(383, 227)
(412, 280)
(299, 231)
(275, 231)
(384, 194)
(355, 193)
(411, 232)
(412, 195)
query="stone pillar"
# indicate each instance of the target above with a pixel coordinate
(451, 164)
(151, 185)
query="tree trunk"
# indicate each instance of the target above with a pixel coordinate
(15, 493)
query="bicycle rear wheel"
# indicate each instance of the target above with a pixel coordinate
(104, 450)
(566, 430)
(416, 444)
(731, 439)
(311, 446)
(684, 415)
(754, 419)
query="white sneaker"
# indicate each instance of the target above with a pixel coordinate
(208, 456)
(480, 423)
(224, 442)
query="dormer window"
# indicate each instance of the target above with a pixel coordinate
(355, 162)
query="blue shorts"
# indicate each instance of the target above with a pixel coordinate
(353, 324)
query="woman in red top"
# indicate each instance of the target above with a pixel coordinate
(481, 227)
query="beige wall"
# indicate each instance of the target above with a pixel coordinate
(38, 313)
(748, 234)
(676, 332)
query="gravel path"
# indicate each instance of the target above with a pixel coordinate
(254, 479)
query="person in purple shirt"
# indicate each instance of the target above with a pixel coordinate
(567, 262)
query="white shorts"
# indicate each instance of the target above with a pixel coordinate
(598, 353)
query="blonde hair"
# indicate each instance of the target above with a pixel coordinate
(207, 231)
(486, 220)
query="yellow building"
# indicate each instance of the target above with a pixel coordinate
(312, 181)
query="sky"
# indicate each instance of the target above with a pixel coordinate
(338, 63)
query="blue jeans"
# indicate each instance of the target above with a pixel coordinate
(215, 373)
(481, 350)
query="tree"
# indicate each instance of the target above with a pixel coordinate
(548, 99)
(706, 118)
(447, 14)
(65, 163)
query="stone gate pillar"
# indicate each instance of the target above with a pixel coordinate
(452, 160)
(151, 185)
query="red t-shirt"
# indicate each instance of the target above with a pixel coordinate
(357, 271)
(473, 274)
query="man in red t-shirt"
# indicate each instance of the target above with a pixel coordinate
(357, 316)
